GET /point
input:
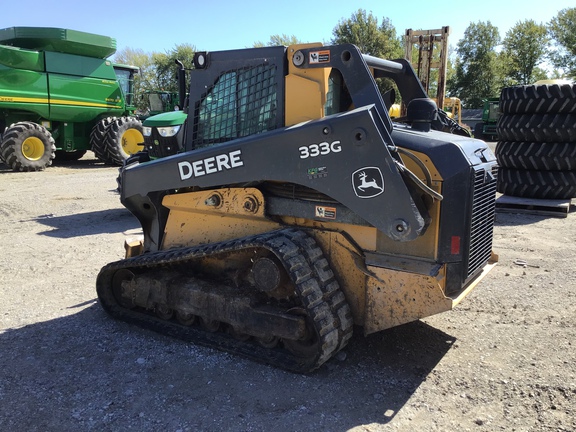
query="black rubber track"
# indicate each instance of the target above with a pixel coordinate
(332, 292)
(537, 184)
(538, 99)
(537, 127)
(304, 261)
(537, 156)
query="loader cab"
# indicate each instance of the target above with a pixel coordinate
(338, 97)
(275, 87)
(268, 91)
(229, 100)
(229, 111)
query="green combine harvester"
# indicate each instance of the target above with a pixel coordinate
(60, 95)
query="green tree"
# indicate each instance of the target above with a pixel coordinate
(451, 65)
(279, 40)
(562, 29)
(166, 69)
(378, 40)
(476, 66)
(524, 48)
(362, 29)
(158, 71)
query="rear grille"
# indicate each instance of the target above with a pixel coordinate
(482, 221)
(159, 146)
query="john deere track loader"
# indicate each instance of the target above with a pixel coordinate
(298, 210)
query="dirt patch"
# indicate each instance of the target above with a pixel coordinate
(503, 360)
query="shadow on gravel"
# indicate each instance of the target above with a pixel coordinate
(88, 372)
(82, 164)
(517, 219)
(90, 223)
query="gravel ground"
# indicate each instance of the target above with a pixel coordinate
(503, 360)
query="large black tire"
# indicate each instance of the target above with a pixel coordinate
(537, 184)
(536, 156)
(537, 127)
(2, 129)
(539, 99)
(27, 146)
(98, 139)
(124, 138)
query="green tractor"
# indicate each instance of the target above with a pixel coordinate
(164, 132)
(158, 102)
(486, 129)
(60, 95)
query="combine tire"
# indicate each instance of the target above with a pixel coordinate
(27, 146)
(2, 130)
(539, 99)
(537, 127)
(536, 156)
(98, 139)
(537, 184)
(124, 138)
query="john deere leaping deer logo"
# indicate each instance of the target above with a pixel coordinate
(368, 182)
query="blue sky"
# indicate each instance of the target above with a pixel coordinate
(157, 26)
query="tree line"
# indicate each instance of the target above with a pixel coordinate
(481, 64)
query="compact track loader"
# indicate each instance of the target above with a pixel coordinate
(296, 210)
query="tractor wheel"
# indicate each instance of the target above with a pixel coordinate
(537, 184)
(539, 99)
(536, 156)
(27, 146)
(124, 138)
(98, 139)
(537, 127)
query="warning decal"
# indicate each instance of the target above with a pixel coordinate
(326, 212)
(320, 57)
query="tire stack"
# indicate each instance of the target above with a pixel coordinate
(536, 151)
